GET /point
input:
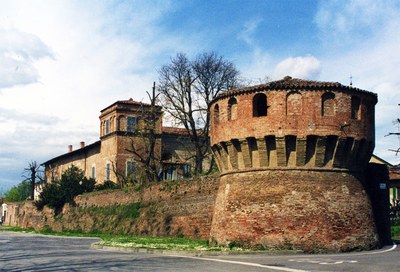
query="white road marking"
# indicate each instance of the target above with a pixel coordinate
(382, 251)
(322, 261)
(316, 261)
(330, 261)
(243, 263)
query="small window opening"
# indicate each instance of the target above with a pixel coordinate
(232, 109)
(216, 114)
(355, 108)
(260, 105)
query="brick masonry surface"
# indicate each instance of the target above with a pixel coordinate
(307, 210)
(291, 155)
(182, 208)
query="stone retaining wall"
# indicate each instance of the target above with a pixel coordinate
(182, 208)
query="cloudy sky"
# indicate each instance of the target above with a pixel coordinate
(61, 62)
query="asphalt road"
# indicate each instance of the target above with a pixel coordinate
(29, 252)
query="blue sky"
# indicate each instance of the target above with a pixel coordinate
(63, 61)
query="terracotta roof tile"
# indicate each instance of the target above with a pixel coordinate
(130, 101)
(175, 130)
(394, 172)
(290, 83)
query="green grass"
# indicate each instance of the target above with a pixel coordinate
(160, 243)
(396, 232)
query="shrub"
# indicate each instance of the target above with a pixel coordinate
(395, 213)
(107, 185)
(19, 192)
(72, 183)
(395, 232)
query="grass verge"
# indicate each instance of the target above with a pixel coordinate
(395, 232)
(159, 243)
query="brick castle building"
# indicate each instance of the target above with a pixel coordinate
(123, 129)
(292, 155)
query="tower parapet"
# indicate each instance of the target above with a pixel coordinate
(292, 137)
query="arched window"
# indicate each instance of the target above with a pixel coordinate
(102, 128)
(328, 104)
(294, 104)
(216, 114)
(121, 123)
(355, 108)
(107, 126)
(260, 105)
(232, 109)
(112, 121)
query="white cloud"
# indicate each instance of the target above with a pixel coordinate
(73, 59)
(61, 62)
(361, 38)
(307, 67)
(18, 53)
(249, 29)
(343, 22)
(256, 65)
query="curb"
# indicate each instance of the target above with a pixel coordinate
(188, 253)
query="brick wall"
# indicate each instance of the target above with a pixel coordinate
(292, 153)
(308, 210)
(182, 208)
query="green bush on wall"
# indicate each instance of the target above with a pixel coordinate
(57, 193)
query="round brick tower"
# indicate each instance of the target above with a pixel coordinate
(291, 155)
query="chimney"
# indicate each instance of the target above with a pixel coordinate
(82, 144)
(70, 148)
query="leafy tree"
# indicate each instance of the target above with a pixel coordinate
(73, 182)
(187, 88)
(395, 213)
(106, 185)
(19, 192)
(57, 193)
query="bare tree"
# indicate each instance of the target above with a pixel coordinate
(143, 144)
(396, 122)
(187, 88)
(33, 173)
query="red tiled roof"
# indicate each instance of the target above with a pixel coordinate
(290, 83)
(175, 130)
(394, 172)
(74, 152)
(130, 101)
